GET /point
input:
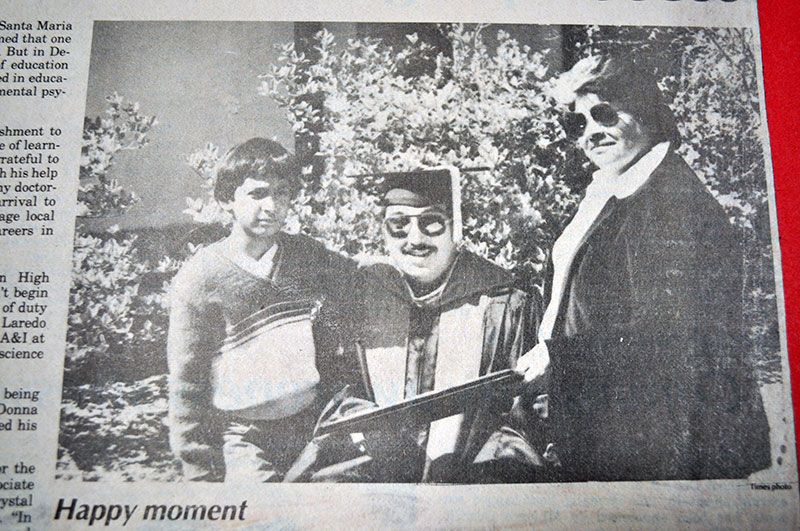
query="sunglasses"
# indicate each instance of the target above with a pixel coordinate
(429, 224)
(574, 123)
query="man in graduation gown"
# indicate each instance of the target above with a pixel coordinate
(436, 317)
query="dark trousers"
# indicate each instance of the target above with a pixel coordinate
(260, 451)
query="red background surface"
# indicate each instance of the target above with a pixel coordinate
(780, 38)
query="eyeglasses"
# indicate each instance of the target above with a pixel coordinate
(429, 224)
(574, 123)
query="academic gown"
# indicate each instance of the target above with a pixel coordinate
(477, 324)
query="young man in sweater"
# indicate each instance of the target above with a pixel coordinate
(258, 333)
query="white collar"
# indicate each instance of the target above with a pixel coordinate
(432, 298)
(429, 299)
(602, 188)
(630, 180)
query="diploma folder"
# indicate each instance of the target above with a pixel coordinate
(427, 407)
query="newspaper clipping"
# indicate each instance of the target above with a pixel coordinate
(390, 264)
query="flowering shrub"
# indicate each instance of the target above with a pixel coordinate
(205, 209)
(376, 110)
(123, 128)
(118, 315)
(118, 310)
(376, 107)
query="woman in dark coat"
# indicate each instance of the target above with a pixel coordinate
(640, 347)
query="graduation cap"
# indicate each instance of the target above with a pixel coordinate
(440, 186)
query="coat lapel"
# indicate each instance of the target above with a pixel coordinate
(610, 208)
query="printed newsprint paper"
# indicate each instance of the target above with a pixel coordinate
(225, 229)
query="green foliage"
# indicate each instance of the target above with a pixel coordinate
(118, 313)
(118, 310)
(122, 128)
(375, 109)
(121, 436)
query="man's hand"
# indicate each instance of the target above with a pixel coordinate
(535, 367)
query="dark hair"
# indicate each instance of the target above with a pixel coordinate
(257, 158)
(626, 85)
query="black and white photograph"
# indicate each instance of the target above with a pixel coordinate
(445, 253)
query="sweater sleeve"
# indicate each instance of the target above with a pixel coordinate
(336, 332)
(195, 333)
